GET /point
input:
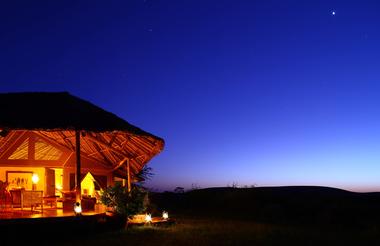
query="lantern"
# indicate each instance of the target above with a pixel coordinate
(165, 215)
(77, 209)
(148, 218)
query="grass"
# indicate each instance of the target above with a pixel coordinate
(187, 231)
(207, 231)
(258, 216)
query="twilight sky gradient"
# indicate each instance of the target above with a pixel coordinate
(251, 92)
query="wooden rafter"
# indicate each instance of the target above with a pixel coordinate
(64, 138)
(109, 150)
(105, 145)
(114, 135)
(5, 140)
(67, 159)
(13, 144)
(103, 163)
(121, 163)
(96, 147)
(51, 141)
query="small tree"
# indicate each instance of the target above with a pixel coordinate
(126, 203)
(123, 202)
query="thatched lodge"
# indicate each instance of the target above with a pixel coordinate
(52, 144)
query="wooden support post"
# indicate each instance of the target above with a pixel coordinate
(77, 180)
(129, 177)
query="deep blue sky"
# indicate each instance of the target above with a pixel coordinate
(251, 92)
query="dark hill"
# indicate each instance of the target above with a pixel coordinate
(289, 204)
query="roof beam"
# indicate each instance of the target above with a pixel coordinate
(121, 163)
(84, 153)
(106, 146)
(12, 147)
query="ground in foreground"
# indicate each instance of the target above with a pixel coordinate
(204, 231)
(257, 216)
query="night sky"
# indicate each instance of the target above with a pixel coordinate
(259, 93)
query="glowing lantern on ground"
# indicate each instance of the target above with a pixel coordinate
(77, 208)
(165, 215)
(148, 218)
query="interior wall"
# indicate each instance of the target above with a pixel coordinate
(58, 178)
(38, 170)
(87, 165)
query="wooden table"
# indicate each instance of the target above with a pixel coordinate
(51, 200)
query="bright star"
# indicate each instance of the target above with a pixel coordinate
(333, 13)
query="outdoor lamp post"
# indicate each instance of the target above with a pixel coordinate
(35, 180)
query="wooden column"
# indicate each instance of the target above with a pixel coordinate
(77, 180)
(129, 177)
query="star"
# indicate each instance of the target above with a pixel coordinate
(333, 13)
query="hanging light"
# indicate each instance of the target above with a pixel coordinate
(165, 215)
(77, 209)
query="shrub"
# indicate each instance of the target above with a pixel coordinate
(125, 203)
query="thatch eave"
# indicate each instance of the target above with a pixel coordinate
(58, 115)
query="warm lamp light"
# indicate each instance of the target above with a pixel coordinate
(77, 208)
(35, 178)
(148, 218)
(165, 215)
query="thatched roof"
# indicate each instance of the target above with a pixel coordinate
(107, 138)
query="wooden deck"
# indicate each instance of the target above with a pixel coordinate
(51, 225)
(17, 213)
